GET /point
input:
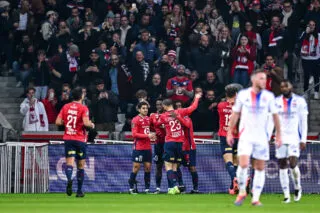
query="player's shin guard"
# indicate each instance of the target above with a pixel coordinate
(147, 180)
(172, 180)
(232, 172)
(242, 175)
(132, 180)
(80, 178)
(68, 171)
(194, 176)
(258, 184)
(179, 177)
(284, 181)
(296, 177)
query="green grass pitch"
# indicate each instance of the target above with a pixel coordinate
(109, 202)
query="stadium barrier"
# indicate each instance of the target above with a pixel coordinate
(24, 167)
(108, 167)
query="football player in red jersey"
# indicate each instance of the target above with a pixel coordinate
(158, 147)
(174, 139)
(229, 153)
(189, 152)
(75, 117)
(142, 153)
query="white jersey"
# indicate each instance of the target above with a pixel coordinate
(293, 115)
(255, 112)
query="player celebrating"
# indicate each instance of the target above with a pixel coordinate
(174, 139)
(254, 104)
(140, 127)
(158, 147)
(75, 117)
(189, 152)
(293, 114)
(229, 153)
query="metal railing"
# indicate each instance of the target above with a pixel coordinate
(24, 167)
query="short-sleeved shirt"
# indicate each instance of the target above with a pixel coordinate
(72, 115)
(291, 112)
(255, 109)
(179, 83)
(140, 127)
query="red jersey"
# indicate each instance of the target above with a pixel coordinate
(140, 127)
(174, 130)
(160, 130)
(225, 111)
(178, 83)
(188, 143)
(72, 115)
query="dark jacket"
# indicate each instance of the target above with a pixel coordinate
(105, 109)
(203, 60)
(41, 75)
(138, 81)
(87, 78)
(124, 78)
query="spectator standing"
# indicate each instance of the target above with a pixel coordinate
(35, 116)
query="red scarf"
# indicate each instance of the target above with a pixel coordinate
(269, 79)
(272, 39)
(251, 35)
(309, 46)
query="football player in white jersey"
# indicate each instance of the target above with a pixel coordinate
(254, 105)
(293, 115)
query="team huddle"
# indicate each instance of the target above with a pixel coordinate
(247, 120)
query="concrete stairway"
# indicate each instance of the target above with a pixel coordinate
(314, 116)
(10, 101)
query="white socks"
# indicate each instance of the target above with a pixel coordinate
(242, 175)
(284, 180)
(258, 184)
(296, 177)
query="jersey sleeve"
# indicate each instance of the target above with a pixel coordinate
(238, 104)
(303, 120)
(85, 112)
(272, 105)
(187, 111)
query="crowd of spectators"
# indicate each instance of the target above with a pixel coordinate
(125, 51)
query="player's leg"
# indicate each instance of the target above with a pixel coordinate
(258, 181)
(260, 154)
(227, 153)
(169, 160)
(180, 179)
(147, 170)
(137, 160)
(193, 171)
(281, 155)
(81, 160)
(158, 158)
(147, 157)
(244, 152)
(296, 175)
(70, 153)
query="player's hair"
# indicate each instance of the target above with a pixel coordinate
(232, 90)
(77, 93)
(287, 82)
(142, 103)
(167, 102)
(257, 71)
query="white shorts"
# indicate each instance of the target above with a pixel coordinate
(256, 150)
(288, 150)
